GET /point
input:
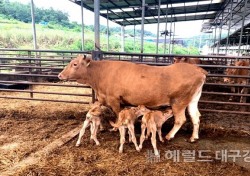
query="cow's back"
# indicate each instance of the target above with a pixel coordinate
(149, 85)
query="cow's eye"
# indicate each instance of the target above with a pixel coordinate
(74, 64)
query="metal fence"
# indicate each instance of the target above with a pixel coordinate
(22, 70)
(41, 67)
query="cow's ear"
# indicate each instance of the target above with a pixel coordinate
(85, 60)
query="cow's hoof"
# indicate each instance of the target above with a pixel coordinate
(98, 143)
(137, 149)
(120, 151)
(77, 145)
(162, 141)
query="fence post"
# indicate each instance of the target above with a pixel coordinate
(30, 71)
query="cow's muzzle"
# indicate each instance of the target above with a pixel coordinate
(61, 77)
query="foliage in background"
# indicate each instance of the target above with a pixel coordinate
(56, 32)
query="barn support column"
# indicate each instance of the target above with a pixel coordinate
(242, 25)
(229, 24)
(166, 28)
(158, 26)
(170, 42)
(97, 25)
(82, 25)
(122, 38)
(173, 40)
(134, 38)
(33, 24)
(221, 24)
(107, 30)
(142, 25)
(214, 37)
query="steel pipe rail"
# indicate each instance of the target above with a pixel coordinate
(214, 97)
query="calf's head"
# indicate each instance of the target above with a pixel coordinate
(76, 69)
(95, 110)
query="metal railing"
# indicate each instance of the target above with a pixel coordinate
(38, 66)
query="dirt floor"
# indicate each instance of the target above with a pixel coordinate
(28, 126)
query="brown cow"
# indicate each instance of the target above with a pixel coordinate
(239, 72)
(187, 60)
(118, 82)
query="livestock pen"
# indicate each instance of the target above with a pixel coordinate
(37, 109)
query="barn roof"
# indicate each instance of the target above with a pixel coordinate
(128, 12)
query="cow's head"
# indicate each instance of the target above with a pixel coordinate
(179, 60)
(229, 71)
(76, 69)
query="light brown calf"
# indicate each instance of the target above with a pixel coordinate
(94, 121)
(126, 119)
(153, 121)
(238, 72)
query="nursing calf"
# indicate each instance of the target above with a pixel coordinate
(126, 119)
(152, 122)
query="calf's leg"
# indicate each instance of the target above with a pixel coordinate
(159, 134)
(142, 138)
(82, 131)
(153, 139)
(132, 132)
(94, 129)
(122, 138)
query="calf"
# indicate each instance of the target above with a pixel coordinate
(153, 121)
(94, 121)
(127, 118)
(187, 60)
(233, 80)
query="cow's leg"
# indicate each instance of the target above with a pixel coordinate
(233, 91)
(82, 131)
(142, 138)
(195, 116)
(159, 134)
(153, 139)
(132, 132)
(122, 138)
(115, 106)
(180, 118)
(244, 90)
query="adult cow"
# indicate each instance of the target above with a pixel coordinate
(235, 80)
(117, 82)
(187, 60)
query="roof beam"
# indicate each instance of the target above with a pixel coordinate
(173, 11)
